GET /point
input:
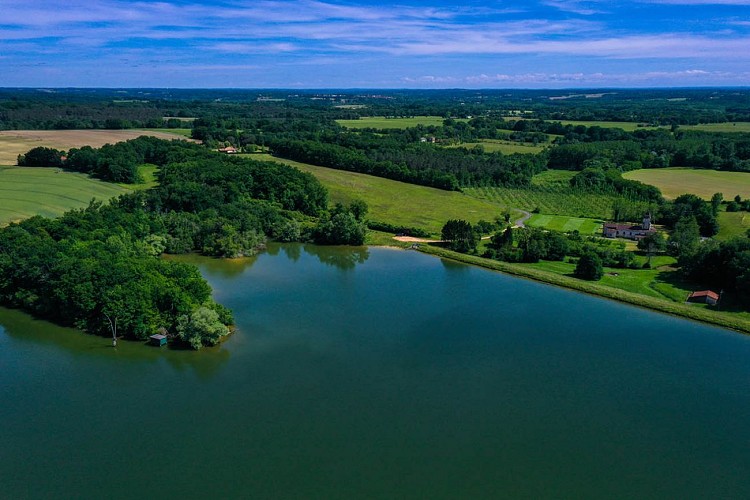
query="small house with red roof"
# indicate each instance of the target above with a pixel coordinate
(704, 297)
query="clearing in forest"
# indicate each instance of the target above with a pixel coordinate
(382, 122)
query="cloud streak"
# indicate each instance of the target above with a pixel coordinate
(575, 36)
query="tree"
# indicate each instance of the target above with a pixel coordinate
(359, 209)
(502, 239)
(41, 157)
(201, 327)
(654, 242)
(459, 235)
(684, 239)
(341, 227)
(716, 200)
(589, 267)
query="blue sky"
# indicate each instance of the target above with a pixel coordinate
(371, 44)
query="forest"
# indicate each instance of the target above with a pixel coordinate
(98, 268)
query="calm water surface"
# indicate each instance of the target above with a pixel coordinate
(380, 373)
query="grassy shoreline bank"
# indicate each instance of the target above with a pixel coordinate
(682, 310)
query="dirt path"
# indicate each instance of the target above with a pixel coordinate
(411, 239)
(521, 222)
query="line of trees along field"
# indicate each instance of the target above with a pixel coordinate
(98, 267)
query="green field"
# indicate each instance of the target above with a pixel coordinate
(550, 199)
(184, 132)
(720, 127)
(26, 191)
(565, 224)
(398, 202)
(662, 282)
(704, 183)
(553, 178)
(626, 126)
(381, 122)
(505, 147)
(733, 224)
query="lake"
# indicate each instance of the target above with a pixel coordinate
(381, 373)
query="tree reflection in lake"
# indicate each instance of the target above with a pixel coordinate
(23, 329)
(339, 256)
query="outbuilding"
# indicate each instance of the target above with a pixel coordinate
(704, 297)
(158, 340)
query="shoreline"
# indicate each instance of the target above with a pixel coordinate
(681, 310)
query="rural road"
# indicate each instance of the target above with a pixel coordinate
(410, 239)
(520, 222)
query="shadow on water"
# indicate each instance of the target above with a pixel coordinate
(345, 258)
(293, 251)
(452, 265)
(222, 268)
(24, 329)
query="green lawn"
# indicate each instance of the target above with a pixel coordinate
(28, 191)
(662, 282)
(704, 183)
(505, 147)
(733, 224)
(398, 202)
(566, 224)
(381, 122)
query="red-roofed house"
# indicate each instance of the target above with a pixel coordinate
(704, 297)
(228, 150)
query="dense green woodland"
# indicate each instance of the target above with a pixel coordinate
(99, 267)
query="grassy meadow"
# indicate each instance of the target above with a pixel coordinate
(626, 126)
(505, 147)
(28, 191)
(704, 183)
(733, 224)
(398, 202)
(553, 178)
(16, 142)
(382, 122)
(566, 224)
(720, 127)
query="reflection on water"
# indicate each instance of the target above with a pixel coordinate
(340, 257)
(225, 268)
(23, 329)
(293, 251)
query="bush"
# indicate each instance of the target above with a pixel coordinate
(589, 267)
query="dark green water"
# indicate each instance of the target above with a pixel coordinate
(381, 374)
